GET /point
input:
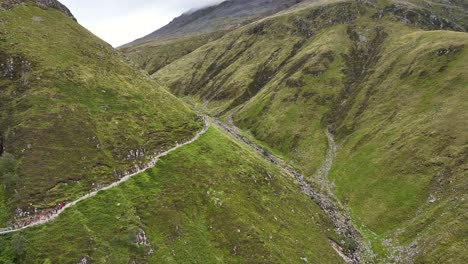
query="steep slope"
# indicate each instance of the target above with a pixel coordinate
(212, 201)
(194, 29)
(154, 55)
(74, 115)
(52, 4)
(227, 15)
(389, 81)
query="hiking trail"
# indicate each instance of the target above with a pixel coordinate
(149, 165)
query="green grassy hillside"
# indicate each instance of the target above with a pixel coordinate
(213, 201)
(154, 55)
(388, 79)
(73, 114)
(406, 141)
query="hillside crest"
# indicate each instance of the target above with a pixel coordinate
(54, 4)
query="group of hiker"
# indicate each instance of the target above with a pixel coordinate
(58, 206)
(44, 215)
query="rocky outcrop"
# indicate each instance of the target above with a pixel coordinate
(15, 68)
(54, 4)
(84, 260)
(143, 241)
(421, 17)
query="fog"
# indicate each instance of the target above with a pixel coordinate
(121, 21)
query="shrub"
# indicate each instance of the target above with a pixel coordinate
(18, 245)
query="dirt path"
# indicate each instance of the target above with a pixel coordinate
(324, 199)
(151, 164)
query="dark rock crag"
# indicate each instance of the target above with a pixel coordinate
(54, 4)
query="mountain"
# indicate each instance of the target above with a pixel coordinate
(52, 4)
(224, 16)
(235, 13)
(386, 79)
(335, 132)
(74, 114)
(194, 29)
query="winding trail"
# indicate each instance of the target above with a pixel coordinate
(324, 199)
(151, 164)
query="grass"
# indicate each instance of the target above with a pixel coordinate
(73, 110)
(393, 93)
(213, 201)
(3, 209)
(154, 55)
(400, 151)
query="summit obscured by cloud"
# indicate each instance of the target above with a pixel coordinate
(121, 21)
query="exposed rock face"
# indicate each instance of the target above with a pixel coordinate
(420, 17)
(15, 68)
(84, 260)
(143, 241)
(42, 3)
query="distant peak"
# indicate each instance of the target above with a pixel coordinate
(193, 10)
(219, 16)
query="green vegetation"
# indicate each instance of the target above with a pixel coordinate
(18, 246)
(209, 202)
(389, 80)
(408, 138)
(73, 111)
(154, 55)
(9, 178)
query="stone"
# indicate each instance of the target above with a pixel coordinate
(84, 260)
(37, 19)
(41, 3)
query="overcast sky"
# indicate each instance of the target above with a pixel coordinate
(121, 21)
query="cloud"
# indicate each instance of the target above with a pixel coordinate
(121, 21)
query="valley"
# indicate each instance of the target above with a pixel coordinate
(244, 132)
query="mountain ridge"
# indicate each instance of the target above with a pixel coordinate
(357, 68)
(55, 4)
(224, 16)
(338, 136)
(77, 116)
